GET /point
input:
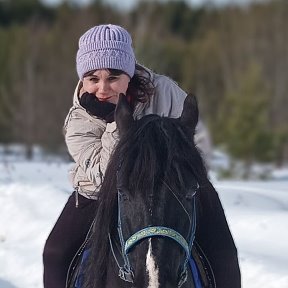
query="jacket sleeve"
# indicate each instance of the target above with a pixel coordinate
(214, 237)
(90, 142)
(203, 142)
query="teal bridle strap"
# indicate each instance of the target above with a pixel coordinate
(156, 231)
(126, 272)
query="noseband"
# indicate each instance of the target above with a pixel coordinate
(126, 270)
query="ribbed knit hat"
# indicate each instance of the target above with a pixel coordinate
(105, 46)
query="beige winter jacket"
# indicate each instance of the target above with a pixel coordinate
(91, 140)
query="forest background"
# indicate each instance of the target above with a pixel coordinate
(233, 57)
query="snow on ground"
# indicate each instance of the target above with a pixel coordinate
(258, 216)
(32, 194)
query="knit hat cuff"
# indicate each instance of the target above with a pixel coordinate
(106, 59)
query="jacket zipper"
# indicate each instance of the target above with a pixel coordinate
(76, 196)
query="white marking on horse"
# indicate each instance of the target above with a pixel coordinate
(153, 272)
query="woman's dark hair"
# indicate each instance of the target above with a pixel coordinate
(140, 88)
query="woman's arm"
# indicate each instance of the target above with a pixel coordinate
(90, 141)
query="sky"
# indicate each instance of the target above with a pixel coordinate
(126, 4)
(32, 194)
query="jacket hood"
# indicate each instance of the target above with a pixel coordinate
(76, 94)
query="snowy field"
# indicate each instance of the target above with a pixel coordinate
(32, 195)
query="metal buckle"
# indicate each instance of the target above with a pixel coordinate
(183, 277)
(126, 274)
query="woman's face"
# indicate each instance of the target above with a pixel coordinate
(106, 86)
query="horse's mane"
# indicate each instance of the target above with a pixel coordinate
(152, 149)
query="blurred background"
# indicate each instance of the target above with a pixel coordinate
(232, 54)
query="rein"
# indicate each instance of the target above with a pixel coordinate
(126, 270)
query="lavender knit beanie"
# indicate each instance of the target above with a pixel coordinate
(105, 46)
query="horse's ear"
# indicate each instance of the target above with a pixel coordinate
(123, 115)
(190, 113)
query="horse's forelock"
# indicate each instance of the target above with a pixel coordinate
(153, 148)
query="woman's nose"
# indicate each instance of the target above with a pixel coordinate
(102, 87)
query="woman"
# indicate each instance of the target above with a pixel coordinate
(106, 67)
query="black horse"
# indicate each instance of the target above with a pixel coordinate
(156, 206)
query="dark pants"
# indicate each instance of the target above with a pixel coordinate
(65, 239)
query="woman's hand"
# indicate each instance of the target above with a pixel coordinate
(101, 109)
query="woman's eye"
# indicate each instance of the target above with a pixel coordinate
(113, 78)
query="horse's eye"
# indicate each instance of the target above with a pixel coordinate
(124, 196)
(192, 192)
(189, 196)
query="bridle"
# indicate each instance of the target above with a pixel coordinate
(126, 270)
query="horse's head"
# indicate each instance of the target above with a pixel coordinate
(157, 178)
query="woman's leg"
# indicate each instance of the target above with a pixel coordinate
(65, 239)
